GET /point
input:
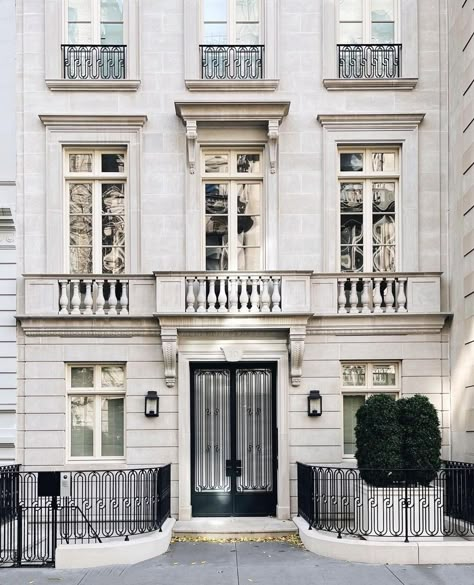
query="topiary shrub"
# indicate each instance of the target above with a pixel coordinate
(378, 440)
(421, 444)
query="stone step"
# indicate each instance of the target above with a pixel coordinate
(233, 527)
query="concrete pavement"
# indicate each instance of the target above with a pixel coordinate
(243, 563)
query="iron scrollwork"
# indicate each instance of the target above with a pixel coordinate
(369, 61)
(87, 62)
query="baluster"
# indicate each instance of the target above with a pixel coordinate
(76, 298)
(222, 296)
(112, 298)
(276, 296)
(341, 300)
(201, 296)
(254, 296)
(402, 297)
(353, 298)
(211, 297)
(190, 297)
(244, 295)
(124, 298)
(63, 299)
(233, 295)
(265, 295)
(100, 302)
(377, 296)
(388, 297)
(88, 298)
(365, 295)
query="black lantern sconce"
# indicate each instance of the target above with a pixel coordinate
(152, 403)
(315, 403)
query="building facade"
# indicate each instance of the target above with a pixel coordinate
(7, 237)
(241, 206)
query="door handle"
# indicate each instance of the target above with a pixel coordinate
(238, 468)
(229, 468)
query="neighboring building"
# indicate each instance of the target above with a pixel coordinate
(461, 227)
(7, 236)
(230, 226)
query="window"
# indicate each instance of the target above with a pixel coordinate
(95, 183)
(359, 381)
(96, 396)
(231, 22)
(368, 192)
(367, 21)
(232, 191)
(94, 36)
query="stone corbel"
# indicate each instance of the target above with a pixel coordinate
(296, 349)
(169, 341)
(191, 138)
(273, 135)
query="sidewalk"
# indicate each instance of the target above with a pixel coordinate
(243, 563)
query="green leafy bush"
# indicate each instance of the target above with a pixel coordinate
(397, 440)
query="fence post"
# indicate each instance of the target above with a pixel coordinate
(54, 526)
(19, 535)
(406, 507)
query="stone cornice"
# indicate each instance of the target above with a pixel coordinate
(402, 84)
(232, 85)
(230, 322)
(93, 84)
(93, 326)
(259, 111)
(68, 120)
(370, 121)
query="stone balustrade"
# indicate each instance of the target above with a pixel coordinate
(367, 294)
(107, 296)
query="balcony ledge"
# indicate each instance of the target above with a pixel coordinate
(93, 84)
(232, 84)
(403, 84)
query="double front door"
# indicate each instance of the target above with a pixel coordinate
(234, 439)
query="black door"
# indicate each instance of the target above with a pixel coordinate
(233, 439)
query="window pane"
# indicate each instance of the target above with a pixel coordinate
(354, 375)
(217, 230)
(383, 162)
(216, 198)
(248, 163)
(80, 230)
(384, 259)
(384, 375)
(112, 427)
(80, 198)
(215, 10)
(249, 259)
(112, 163)
(82, 426)
(350, 33)
(80, 260)
(111, 10)
(113, 201)
(215, 34)
(112, 377)
(248, 199)
(113, 260)
(217, 259)
(247, 10)
(79, 33)
(80, 163)
(111, 34)
(382, 10)
(247, 34)
(248, 230)
(351, 405)
(79, 10)
(383, 32)
(350, 9)
(82, 377)
(352, 197)
(216, 163)
(352, 161)
(383, 197)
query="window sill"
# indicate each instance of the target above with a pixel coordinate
(93, 85)
(403, 84)
(232, 84)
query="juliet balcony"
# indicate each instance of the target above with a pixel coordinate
(94, 62)
(372, 61)
(232, 62)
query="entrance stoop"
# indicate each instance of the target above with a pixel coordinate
(234, 527)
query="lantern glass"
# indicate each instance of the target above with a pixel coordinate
(152, 404)
(315, 403)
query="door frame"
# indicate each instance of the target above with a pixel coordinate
(203, 348)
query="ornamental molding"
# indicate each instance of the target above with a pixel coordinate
(92, 326)
(93, 84)
(74, 120)
(191, 138)
(370, 121)
(169, 341)
(403, 84)
(226, 85)
(296, 341)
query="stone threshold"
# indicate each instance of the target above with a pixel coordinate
(234, 527)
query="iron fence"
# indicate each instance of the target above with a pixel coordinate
(369, 61)
(232, 62)
(79, 507)
(8, 491)
(337, 499)
(87, 62)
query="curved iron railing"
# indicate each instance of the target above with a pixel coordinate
(369, 61)
(232, 62)
(86, 62)
(337, 499)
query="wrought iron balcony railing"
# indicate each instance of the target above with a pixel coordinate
(88, 62)
(227, 62)
(369, 61)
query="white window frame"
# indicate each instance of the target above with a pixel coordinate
(98, 393)
(369, 389)
(367, 177)
(367, 22)
(97, 178)
(231, 22)
(232, 178)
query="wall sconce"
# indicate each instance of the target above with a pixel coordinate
(315, 403)
(152, 403)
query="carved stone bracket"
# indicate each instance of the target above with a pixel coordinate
(191, 138)
(296, 348)
(169, 340)
(273, 135)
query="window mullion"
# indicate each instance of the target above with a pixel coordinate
(367, 229)
(231, 25)
(232, 226)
